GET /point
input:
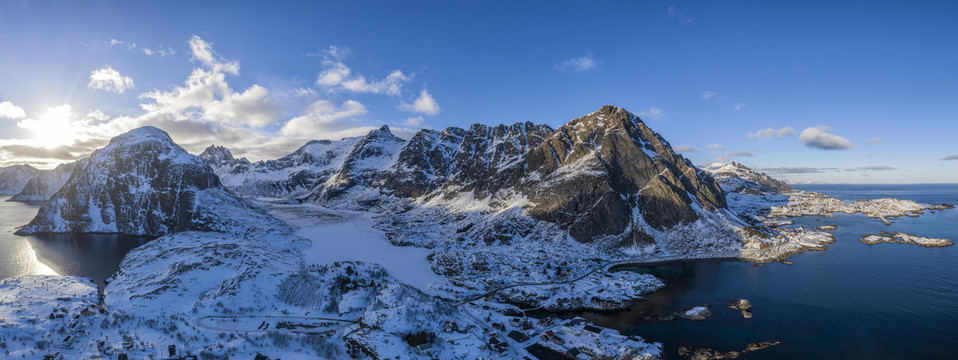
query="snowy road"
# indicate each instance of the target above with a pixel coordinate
(246, 323)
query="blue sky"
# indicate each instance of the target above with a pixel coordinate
(852, 91)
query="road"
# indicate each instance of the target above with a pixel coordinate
(199, 322)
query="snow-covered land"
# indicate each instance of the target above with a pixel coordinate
(903, 238)
(391, 249)
(14, 178)
(47, 182)
(142, 183)
(291, 176)
(803, 203)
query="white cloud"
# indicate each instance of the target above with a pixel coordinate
(950, 157)
(770, 133)
(303, 92)
(337, 76)
(108, 79)
(820, 137)
(653, 113)
(203, 52)
(674, 13)
(10, 111)
(730, 155)
(684, 149)
(414, 121)
(424, 104)
(708, 94)
(323, 117)
(739, 106)
(872, 168)
(207, 96)
(159, 51)
(716, 146)
(579, 64)
(874, 141)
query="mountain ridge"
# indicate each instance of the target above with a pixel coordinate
(144, 184)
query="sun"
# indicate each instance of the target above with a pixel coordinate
(53, 129)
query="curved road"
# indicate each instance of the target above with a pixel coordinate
(586, 274)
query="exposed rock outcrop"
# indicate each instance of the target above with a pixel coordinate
(144, 184)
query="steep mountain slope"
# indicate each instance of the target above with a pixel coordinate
(376, 151)
(738, 178)
(604, 174)
(144, 184)
(290, 176)
(47, 182)
(14, 178)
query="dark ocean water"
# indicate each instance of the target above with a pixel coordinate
(96, 256)
(852, 301)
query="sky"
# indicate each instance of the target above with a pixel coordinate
(836, 92)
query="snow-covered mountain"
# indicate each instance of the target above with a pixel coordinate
(369, 156)
(14, 178)
(738, 178)
(144, 184)
(291, 176)
(604, 174)
(47, 182)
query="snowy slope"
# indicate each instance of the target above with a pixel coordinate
(738, 178)
(47, 182)
(602, 175)
(376, 151)
(14, 178)
(287, 177)
(144, 184)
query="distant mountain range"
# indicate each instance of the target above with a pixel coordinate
(738, 178)
(604, 174)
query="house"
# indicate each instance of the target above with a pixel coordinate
(122, 357)
(593, 329)
(68, 341)
(518, 336)
(260, 357)
(54, 356)
(423, 349)
(573, 353)
(172, 350)
(548, 335)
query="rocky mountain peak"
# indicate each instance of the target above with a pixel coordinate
(738, 178)
(217, 155)
(142, 183)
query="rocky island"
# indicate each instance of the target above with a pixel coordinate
(903, 238)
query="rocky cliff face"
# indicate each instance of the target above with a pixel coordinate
(604, 174)
(291, 176)
(738, 178)
(607, 173)
(14, 178)
(47, 182)
(144, 184)
(374, 152)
